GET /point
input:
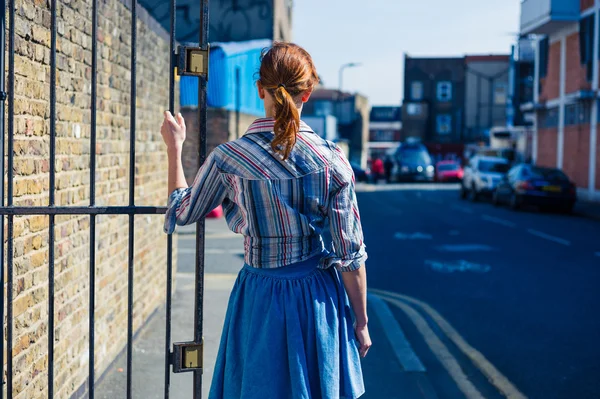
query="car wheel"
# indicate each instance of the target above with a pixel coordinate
(474, 195)
(515, 202)
(496, 198)
(566, 209)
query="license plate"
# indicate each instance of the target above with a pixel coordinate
(553, 189)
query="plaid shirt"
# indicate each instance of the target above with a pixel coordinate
(280, 207)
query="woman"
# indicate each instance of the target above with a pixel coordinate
(288, 331)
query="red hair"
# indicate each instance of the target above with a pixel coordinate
(286, 72)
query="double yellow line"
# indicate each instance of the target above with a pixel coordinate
(410, 307)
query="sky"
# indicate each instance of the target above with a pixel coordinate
(377, 34)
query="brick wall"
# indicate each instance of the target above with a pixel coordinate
(550, 84)
(547, 142)
(220, 126)
(73, 187)
(577, 153)
(585, 4)
(576, 76)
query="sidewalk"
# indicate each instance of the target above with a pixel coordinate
(587, 209)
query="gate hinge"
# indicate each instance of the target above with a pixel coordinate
(192, 60)
(187, 356)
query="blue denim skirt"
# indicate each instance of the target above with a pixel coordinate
(288, 334)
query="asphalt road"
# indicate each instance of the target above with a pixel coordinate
(520, 289)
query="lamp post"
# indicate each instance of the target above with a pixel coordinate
(348, 65)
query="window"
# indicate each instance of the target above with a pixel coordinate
(444, 91)
(586, 44)
(549, 118)
(323, 108)
(414, 109)
(543, 49)
(500, 93)
(416, 91)
(444, 124)
(576, 114)
(384, 135)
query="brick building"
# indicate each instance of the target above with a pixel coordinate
(566, 88)
(31, 185)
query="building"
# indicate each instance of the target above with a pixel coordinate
(385, 129)
(566, 88)
(352, 113)
(230, 20)
(486, 88)
(455, 100)
(434, 99)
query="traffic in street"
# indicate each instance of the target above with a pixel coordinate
(493, 302)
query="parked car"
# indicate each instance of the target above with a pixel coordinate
(412, 162)
(446, 171)
(481, 176)
(526, 184)
(360, 174)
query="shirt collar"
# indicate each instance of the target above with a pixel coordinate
(268, 124)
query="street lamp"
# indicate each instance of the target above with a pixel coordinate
(348, 65)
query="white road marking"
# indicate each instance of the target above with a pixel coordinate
(402, 349)
(440, 350)
(462, 209)
(460, 266)
(464, 248)
(549, 237)
(413, 236)
(502, 383)
(499, 221)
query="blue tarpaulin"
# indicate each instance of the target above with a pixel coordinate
(224, 90)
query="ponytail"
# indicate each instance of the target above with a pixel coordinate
(287, 122)
(286, 72)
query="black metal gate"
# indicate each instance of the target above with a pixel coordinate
(181, 357)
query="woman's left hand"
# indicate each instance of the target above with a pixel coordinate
(173, 131)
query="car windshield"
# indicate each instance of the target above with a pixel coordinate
(545, 173)
(493, 167)
(417, 157)
(447, 167)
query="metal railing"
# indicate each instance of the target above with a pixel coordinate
(8, 210)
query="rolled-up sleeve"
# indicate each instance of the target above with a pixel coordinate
(349, 251)
(188, 205)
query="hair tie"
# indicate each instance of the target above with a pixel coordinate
(281, 85)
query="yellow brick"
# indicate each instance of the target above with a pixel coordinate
(37, 242)
(38, 259)
(21, 304)
(37, 223)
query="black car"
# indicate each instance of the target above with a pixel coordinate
(526, 184)
(412, 162)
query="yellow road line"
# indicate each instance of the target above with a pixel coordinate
(495, 377)
(440, 350)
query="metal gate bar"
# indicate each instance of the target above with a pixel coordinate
(130, 276)
(51, 199)
(92, 282)
(201, 226)
(9, 197)
(169, 280)
(2, 109)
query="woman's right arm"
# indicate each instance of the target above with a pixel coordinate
(349, 250)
